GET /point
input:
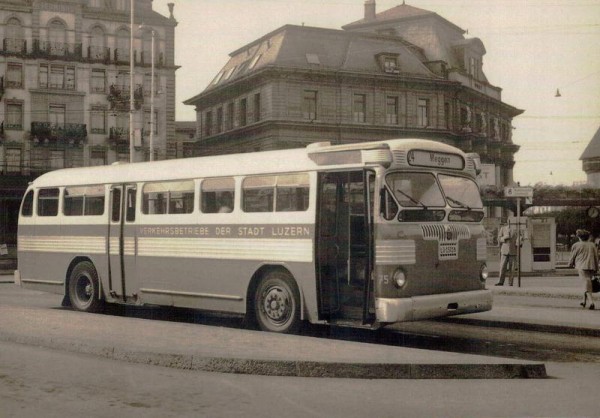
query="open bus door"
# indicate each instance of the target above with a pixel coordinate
(121, 241)
(345, 246)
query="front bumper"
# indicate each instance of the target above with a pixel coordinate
(432, 306)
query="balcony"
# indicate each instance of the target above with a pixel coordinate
(11, 46)
(57, 49)
(45, 132)
(118, 97)
(98, 54)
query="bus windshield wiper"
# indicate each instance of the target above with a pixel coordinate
(458, 202)
(412, 199)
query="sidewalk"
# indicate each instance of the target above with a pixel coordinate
(219, 349)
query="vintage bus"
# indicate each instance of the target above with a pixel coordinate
(364, 235)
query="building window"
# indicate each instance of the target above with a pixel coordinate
(13, 160)
(97, 157)
(359, 108)
(56, 115)
(123, 5)
(220, 120)
(423, 113)
(208, 124)
(97, 50)
(390, 64)
(391, 110)
(230, 115)
(14, 41)
(14, 116)
(14, 75)
(57, 159)
(98, 4)
(57, 77)
(309, 105)
(447, 115)
(243, 112)
(98, 82)
(57, 35)
(149, 123)
(257, 113)
(122, 53)
(98, 120)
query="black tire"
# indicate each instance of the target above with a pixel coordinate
(84, 289)
(277, 303)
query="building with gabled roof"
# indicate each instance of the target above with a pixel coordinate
(591, 161)
(404, 72)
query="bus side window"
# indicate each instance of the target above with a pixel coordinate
(130, 214)
(292, 193)
(27, 207)
(116, 205)
(48, 202)
(389, 207)
(258, 193)
(217, 195)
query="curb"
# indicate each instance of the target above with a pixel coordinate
(292, 368)
(526, 326)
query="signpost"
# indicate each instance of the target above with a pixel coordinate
(519, 193)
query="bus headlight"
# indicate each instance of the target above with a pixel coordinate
(483, 273)
(399, 278)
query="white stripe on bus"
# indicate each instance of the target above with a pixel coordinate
(298, 250)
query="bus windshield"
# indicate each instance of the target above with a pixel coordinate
(416, 189)
(461, 192)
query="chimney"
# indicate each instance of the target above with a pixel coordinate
(370, 10)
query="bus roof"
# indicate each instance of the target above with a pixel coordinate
(264, 162)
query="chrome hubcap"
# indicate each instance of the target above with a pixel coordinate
(277, 304)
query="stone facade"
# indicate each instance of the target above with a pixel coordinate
(404, 72)
(64, 68)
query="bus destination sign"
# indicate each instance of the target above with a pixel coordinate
(435, 159)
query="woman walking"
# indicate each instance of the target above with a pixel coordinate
(584, 257)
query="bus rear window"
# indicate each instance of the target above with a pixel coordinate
(84, 201)
(27, 206)
(48, 202)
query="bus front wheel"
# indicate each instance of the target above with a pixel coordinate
(84, 290)
(277, 303)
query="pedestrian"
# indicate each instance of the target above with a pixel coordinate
(508, 253)
(584, 257)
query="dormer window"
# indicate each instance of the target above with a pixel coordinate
(389, 63)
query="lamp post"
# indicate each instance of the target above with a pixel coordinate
(152, 100)
(153, 33)
(131, 88)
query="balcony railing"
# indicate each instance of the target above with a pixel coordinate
(98, 53)
(119, 135)
(57, 49)
(14, 46)
(57, 132)
(118, 97)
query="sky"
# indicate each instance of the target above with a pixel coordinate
(534, 47)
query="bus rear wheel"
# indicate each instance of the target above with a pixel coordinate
(277, 303)
(84, 289)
